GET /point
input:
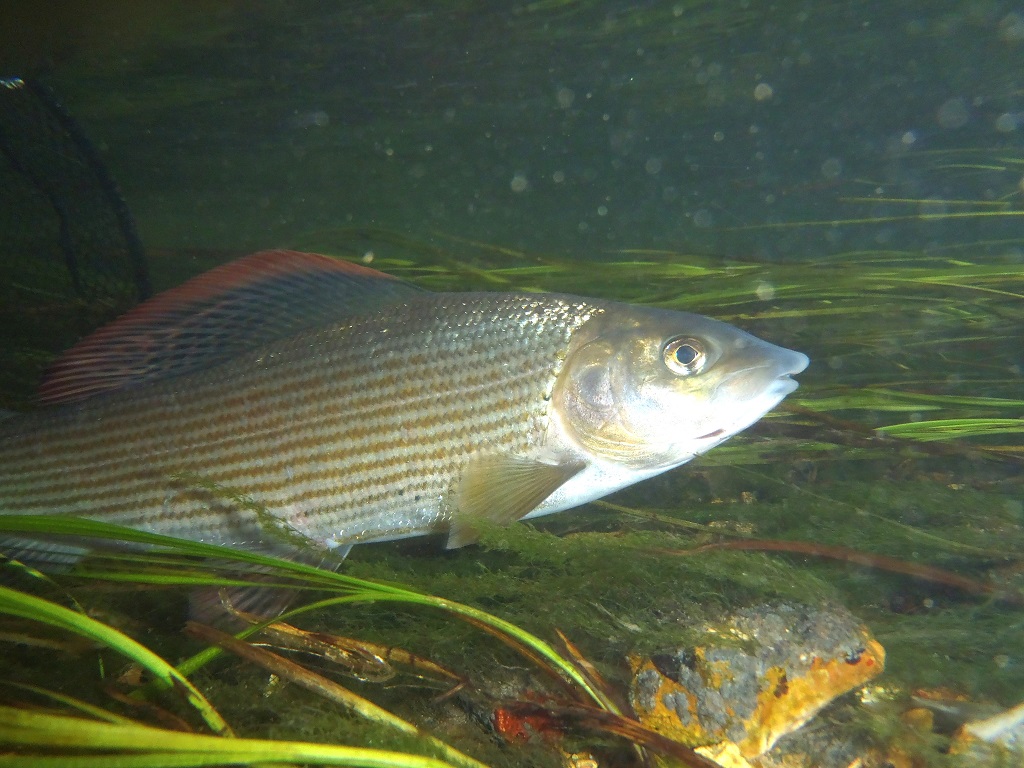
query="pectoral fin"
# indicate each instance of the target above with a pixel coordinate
(501, 489)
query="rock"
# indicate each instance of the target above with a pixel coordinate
(761, 673)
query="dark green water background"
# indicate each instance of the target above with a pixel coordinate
(559, 127)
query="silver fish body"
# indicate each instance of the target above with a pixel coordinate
(426, 415)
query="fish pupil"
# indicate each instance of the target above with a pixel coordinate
(686, 354)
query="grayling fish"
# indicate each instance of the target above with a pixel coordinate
(290, 402)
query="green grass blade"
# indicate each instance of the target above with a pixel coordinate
(34, 608)
(946, 429)
(296, 674)
(354, 589)
(141, 746)
(70, 701)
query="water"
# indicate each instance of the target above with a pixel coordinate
(841, 178)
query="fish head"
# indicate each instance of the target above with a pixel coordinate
(649, 389)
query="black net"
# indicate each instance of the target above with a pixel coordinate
(71, 256)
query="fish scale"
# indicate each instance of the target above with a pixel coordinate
(373, 419)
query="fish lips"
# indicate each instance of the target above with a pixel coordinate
(794, 363)
(758, 389)
(765, 380)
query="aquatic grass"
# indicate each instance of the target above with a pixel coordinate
(299, 675)
(930, 201)
(15, 603)
(578, 678)
(354, 590)
(99, 744)
(885, 399)
(702, 280)
(161, 747)
(850, 221)
(82, 707)
(947, 429)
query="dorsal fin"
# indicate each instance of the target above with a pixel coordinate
(254, 300)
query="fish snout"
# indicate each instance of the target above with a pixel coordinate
(787, 366)
(792, 362)
(765, 379)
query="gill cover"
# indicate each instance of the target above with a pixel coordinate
(616, 391)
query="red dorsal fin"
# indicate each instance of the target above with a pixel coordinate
(252, 301)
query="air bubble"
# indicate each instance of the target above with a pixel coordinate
(702, 218)
(1007, 122)
(953, 113)
(831, 168)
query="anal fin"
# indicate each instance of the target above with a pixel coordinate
(223, 606)
(220, 606)
(53, 555)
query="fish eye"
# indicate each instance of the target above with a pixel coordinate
(684, 356)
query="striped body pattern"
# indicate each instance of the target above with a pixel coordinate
(350, 433)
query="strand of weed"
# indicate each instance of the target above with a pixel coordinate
(149, 747)
(949, 545)
(70, 701)
(34, 608)
(296, 673)
(356, 590)
(877, 220)
(947, 429)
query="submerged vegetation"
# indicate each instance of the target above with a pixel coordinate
(887, 485)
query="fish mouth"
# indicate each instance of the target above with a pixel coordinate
(783, 386)
(793, 363)
(759, 388)
(796, 363)
(768, 380)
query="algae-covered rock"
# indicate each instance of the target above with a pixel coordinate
(761, 673)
